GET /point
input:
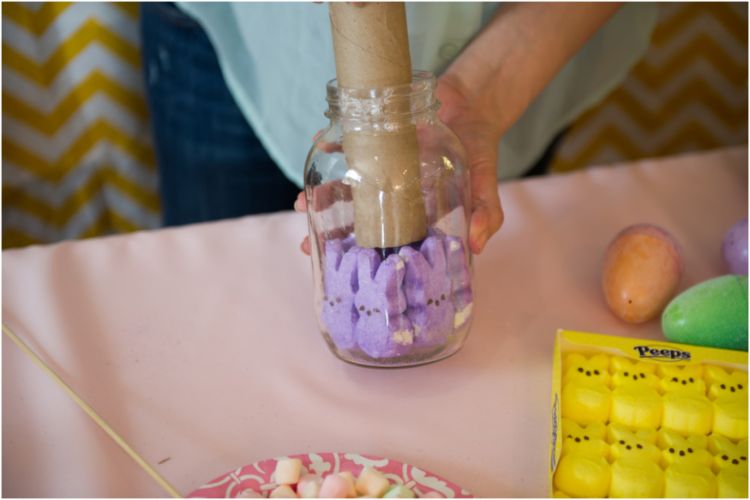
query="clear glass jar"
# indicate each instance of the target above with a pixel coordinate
(388, 210)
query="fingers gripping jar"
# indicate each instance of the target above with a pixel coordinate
(389, 226)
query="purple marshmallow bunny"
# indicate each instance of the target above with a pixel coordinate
(428, 292)
(460, 278)
(382, 330)
(340, 284)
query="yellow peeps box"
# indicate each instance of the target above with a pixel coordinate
(645, 418)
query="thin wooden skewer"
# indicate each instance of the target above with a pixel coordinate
(91, 413)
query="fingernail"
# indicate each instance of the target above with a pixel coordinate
(481, 240)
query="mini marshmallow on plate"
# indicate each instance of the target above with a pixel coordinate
(293, 481)
(372, 483)
(288, 471)
(349, 478)
(335, 486)
(399, 491)
(309, 486)
(283, 491)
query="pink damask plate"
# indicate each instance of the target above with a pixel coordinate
(257, 476)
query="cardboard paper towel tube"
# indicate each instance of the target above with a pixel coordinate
(371, 47)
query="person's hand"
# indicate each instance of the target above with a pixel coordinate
(474, 120)
(300, 205)
(323, 196)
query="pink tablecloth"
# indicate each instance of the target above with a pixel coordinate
(199, 344)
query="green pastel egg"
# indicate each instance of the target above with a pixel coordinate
(712, 313)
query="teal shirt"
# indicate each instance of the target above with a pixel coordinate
(277, 58)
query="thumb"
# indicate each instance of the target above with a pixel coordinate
(486, 210)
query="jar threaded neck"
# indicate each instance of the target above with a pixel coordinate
(383, 105)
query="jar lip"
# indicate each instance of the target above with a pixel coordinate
(375, 103)
(421, 81)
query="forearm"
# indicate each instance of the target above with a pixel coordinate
(522, 48)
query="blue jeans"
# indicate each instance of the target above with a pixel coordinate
(211, 164)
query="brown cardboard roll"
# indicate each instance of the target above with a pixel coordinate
(371, 47)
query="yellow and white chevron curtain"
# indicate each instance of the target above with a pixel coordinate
(688, 93)
(77, 159)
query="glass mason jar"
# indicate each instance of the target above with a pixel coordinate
(388, 210)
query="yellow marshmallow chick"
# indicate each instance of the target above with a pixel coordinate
(584, 439)
(687, 464)
(687, 379)
(685, 407)
(585, 388)
(731, 461)
(635, 399)
(627, 443)
(583, 470)
(726, 383)
(635, 469)
(728, 390)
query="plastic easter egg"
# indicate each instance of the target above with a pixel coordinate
(712, 313)
(642, 269)
(735, 248)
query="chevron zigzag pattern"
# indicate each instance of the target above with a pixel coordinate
(688, 93)
(77, 158)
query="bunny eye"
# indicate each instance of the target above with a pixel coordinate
(740, 387)
(691, 380)
(596, 372)
(674, 379)
(338, 300)
(586, 438)
(724, 457)
(429, 302)
(724, 387)
(671, 450)
(376, 310)
(361, 308)
(690, 450)
(570, 436)
(442, 296)
(580, 370)
(643, 375)
(622, 441)
(639, 446)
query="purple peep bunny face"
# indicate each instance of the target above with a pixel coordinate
(340, 284)
(382, 330)
(428, 291)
